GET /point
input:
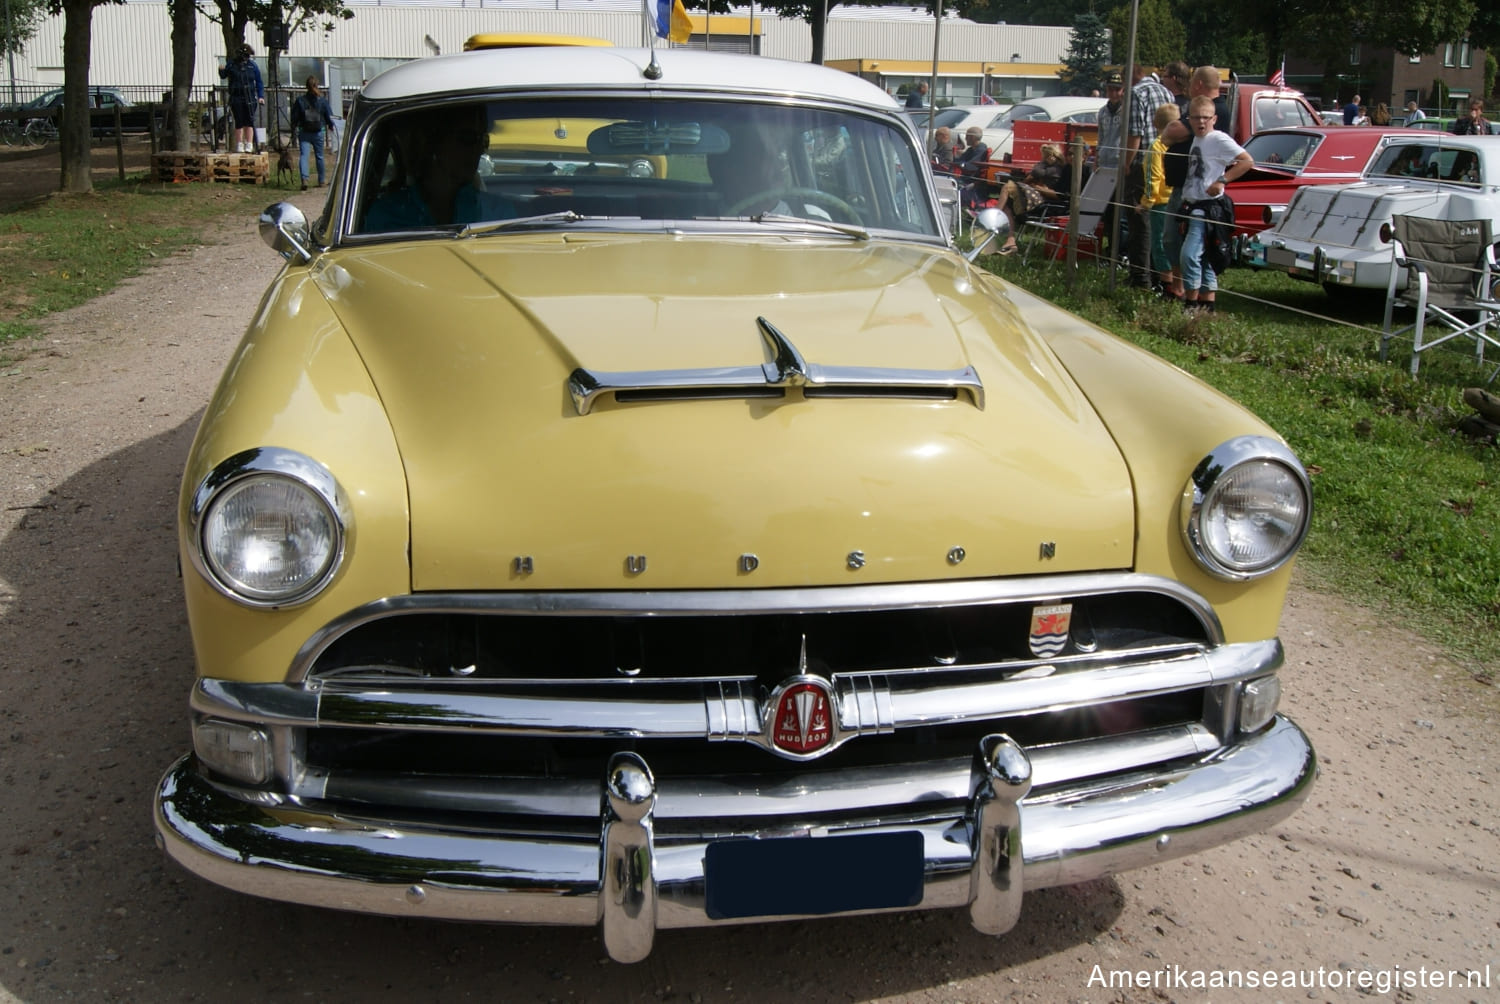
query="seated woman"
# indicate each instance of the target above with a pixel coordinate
(1046, 182)
(442, 149)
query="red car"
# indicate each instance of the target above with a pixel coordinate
(1286, 159)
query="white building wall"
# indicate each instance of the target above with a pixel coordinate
(132, 41)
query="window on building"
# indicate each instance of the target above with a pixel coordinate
(1448, 54)
(1465, 58)
(1354, 54)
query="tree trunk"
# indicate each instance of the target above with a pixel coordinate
(74, 127)
(233, 18)
(180, 127)
(817, 19)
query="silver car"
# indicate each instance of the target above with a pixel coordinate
(1336, 235)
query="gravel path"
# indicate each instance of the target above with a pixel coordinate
(1393, 862)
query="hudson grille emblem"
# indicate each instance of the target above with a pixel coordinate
(802, 720)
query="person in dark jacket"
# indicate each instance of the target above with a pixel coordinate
(246, 94)
(310, 113)
(1473, 124)
(970, 163)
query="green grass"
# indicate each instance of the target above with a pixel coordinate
(1406, 515)
(61, 250)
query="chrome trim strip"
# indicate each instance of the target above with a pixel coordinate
(865, 790)
(302, 854)
(787, 368)
(868, 702)
(735, 602)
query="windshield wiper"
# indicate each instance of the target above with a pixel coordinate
(521, 222)
(859, 233)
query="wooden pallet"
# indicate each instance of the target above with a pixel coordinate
(230, 168)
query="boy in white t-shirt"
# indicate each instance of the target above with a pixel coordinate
(1214, 160)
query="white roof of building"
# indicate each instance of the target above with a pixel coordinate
(569, 67)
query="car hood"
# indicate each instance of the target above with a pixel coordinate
(1349, 216)
(470, 345)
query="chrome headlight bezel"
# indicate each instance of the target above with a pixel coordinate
(293, 469)
(1204, 490)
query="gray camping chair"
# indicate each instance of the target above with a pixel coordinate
(1448, 266)
(1092, 203)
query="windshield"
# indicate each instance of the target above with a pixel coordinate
(636, 159)
(1277, 111)
(1427, 160)
(1289, 150)
(1021, 113)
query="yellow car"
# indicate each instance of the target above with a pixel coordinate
(705, 545)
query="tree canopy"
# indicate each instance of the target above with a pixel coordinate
(1159, 35)
(1088, 52)
(1254, 36)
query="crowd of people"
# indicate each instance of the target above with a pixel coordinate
(1177, 155)
(1174, 224)
(1473, 123)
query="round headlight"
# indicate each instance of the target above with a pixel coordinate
(642, 168)
(1246, 508)
(268, 528)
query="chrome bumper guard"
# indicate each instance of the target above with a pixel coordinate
(986, 836)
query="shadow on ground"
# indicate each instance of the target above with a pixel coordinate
(96, 668)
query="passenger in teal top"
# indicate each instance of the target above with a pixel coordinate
(443, 186)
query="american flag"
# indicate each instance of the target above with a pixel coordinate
(985, 99)
(1278, 78)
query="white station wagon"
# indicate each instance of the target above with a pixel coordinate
(1333, 234)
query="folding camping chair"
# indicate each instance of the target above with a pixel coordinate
(1448, 266)
(950, 199)
(1052, 229)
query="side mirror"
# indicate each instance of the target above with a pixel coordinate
(284, 228)
(988, 225)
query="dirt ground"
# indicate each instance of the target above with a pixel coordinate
(1390, 872)
(26, 174)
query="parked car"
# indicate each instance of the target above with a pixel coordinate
(103, 100)
(1337, 235)
(705, 544)
(1287, 159)
(1445, 124)
(957, 117)
(1254, 108)
(997, 136)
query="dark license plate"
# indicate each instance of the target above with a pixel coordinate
(1281, 257)
(797, 876)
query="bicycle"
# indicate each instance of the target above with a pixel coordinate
(37, 133)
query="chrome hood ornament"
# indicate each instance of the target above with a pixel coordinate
(787, 368)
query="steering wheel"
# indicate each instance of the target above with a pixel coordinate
(774, 195)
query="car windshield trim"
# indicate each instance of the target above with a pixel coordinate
(859, 233)
(522, 222)
(583, 159)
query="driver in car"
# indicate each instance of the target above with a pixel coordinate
(752, 178)
(442, 152)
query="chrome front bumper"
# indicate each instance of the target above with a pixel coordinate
(985, 837)
(1337, 266)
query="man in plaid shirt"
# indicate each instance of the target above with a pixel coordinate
(1147, 93)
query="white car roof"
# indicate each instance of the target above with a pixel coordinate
(1063, 104)
(1450, 140)
(575, 67)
